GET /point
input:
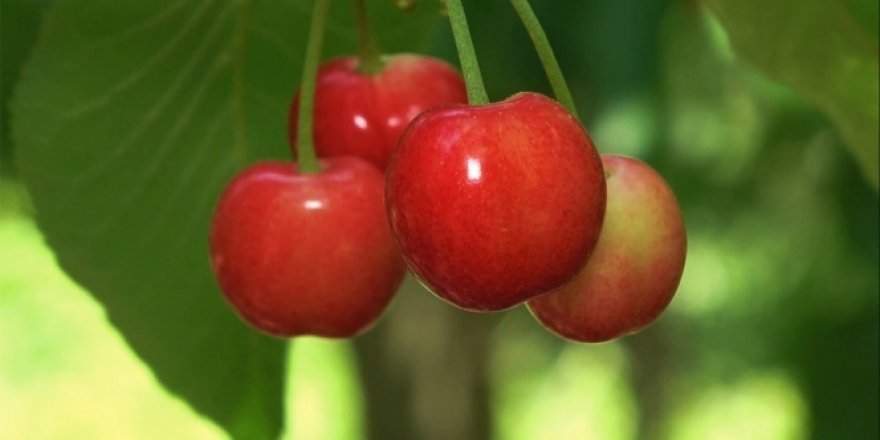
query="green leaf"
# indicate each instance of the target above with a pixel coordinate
(19, 21)
(129, 119)
(824, 50)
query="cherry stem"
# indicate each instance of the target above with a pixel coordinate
(545, 53)
(308, 162)
(473, 79)
(370, 62)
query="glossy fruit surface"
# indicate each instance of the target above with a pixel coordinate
(363, 115)
(492, 205)
(306, 253)
(636, 267)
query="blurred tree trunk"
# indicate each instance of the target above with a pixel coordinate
(424, 371)
(651, 353)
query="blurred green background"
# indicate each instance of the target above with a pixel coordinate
(774, 332)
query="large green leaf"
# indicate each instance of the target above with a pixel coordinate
(19, 21)
(824, 50)
(129, 119)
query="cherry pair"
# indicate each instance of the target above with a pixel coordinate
(505, 203)
(311, 253)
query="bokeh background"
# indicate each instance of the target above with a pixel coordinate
(774, 332)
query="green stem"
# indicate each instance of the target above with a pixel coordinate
(370, 62)
(465, 47)
(308, 162)
(545, 53)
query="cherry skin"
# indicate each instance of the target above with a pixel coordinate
(637, 264)
(492, 205)
(302, 253)
(363, 115)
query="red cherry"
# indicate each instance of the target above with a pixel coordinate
(306, 253)
(637, 264)
(495, 204)
(363, 115)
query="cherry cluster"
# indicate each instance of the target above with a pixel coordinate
(490, 205)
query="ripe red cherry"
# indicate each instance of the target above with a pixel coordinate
(363, 115)
(637, 264)
(492, 205)
(306, 253)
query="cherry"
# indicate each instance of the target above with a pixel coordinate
(302, 253)
(363, 115)
(636, 266)
(492, 205)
